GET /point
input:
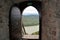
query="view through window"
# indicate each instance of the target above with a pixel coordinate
(30, 19)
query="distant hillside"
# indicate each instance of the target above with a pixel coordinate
(30, 14)
(30, 20)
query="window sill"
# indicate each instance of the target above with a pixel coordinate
(30, 37)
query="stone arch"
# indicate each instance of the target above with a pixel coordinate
(15, 15)
(34, 10)
(38, 6)
(35, 4)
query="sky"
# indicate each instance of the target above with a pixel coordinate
(30, 11)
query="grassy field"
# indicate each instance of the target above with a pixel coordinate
(30, 20)
(35, 33)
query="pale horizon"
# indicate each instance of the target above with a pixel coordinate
(30, 11)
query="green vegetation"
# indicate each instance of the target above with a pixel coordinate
(30, 20)
(35, 33)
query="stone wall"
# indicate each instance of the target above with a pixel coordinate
(4, 17)
(4, 12)
(58, 17)
(49, 20)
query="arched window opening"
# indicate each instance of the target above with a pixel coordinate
(15, 14)
(25, 23)
(14, 19)
(30, 21)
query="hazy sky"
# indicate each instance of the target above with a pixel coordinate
(30, 10)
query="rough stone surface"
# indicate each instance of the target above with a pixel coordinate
(58, 17)
(4, 12)
(50, 19)
(4, 17)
